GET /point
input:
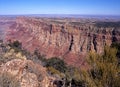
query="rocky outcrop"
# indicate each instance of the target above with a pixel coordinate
(69, 40)
(27, 73)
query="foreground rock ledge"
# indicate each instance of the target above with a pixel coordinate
(28, 73)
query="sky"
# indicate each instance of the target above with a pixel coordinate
(83, 7)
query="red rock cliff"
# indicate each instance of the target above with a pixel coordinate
(68, 41)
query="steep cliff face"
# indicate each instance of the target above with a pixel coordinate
(4, 24)
(68, 40)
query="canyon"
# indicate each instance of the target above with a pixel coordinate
(54, 52)
(67, 38)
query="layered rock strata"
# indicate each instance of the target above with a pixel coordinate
(68, 40)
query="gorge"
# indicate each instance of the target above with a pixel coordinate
(67, 38)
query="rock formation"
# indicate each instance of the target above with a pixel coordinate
(65, 39)
(28, 73)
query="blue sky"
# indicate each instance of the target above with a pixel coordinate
(89, 7)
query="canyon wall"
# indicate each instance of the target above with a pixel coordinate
(66, 40)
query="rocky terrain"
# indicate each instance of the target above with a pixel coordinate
(5, 22)
(27, 72)
(67, 38)
(32, 50)
(17, 70)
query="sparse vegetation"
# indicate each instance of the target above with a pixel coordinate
(104, 70)
(56, 63)
(107, 24)
(8, 80)
(54, 72)
(10, 52)
(117, 46)
(16, 45)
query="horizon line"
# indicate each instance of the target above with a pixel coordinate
(65, 14)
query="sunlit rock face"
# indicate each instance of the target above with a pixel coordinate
(27, 73)
(5, 22)
(65, 39)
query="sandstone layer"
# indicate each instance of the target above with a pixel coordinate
(68, 39)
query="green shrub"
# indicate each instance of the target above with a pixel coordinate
(53, 71)
(56, 63)
(104, 70)
(16, 45)
(117, 46)
(73, 76)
